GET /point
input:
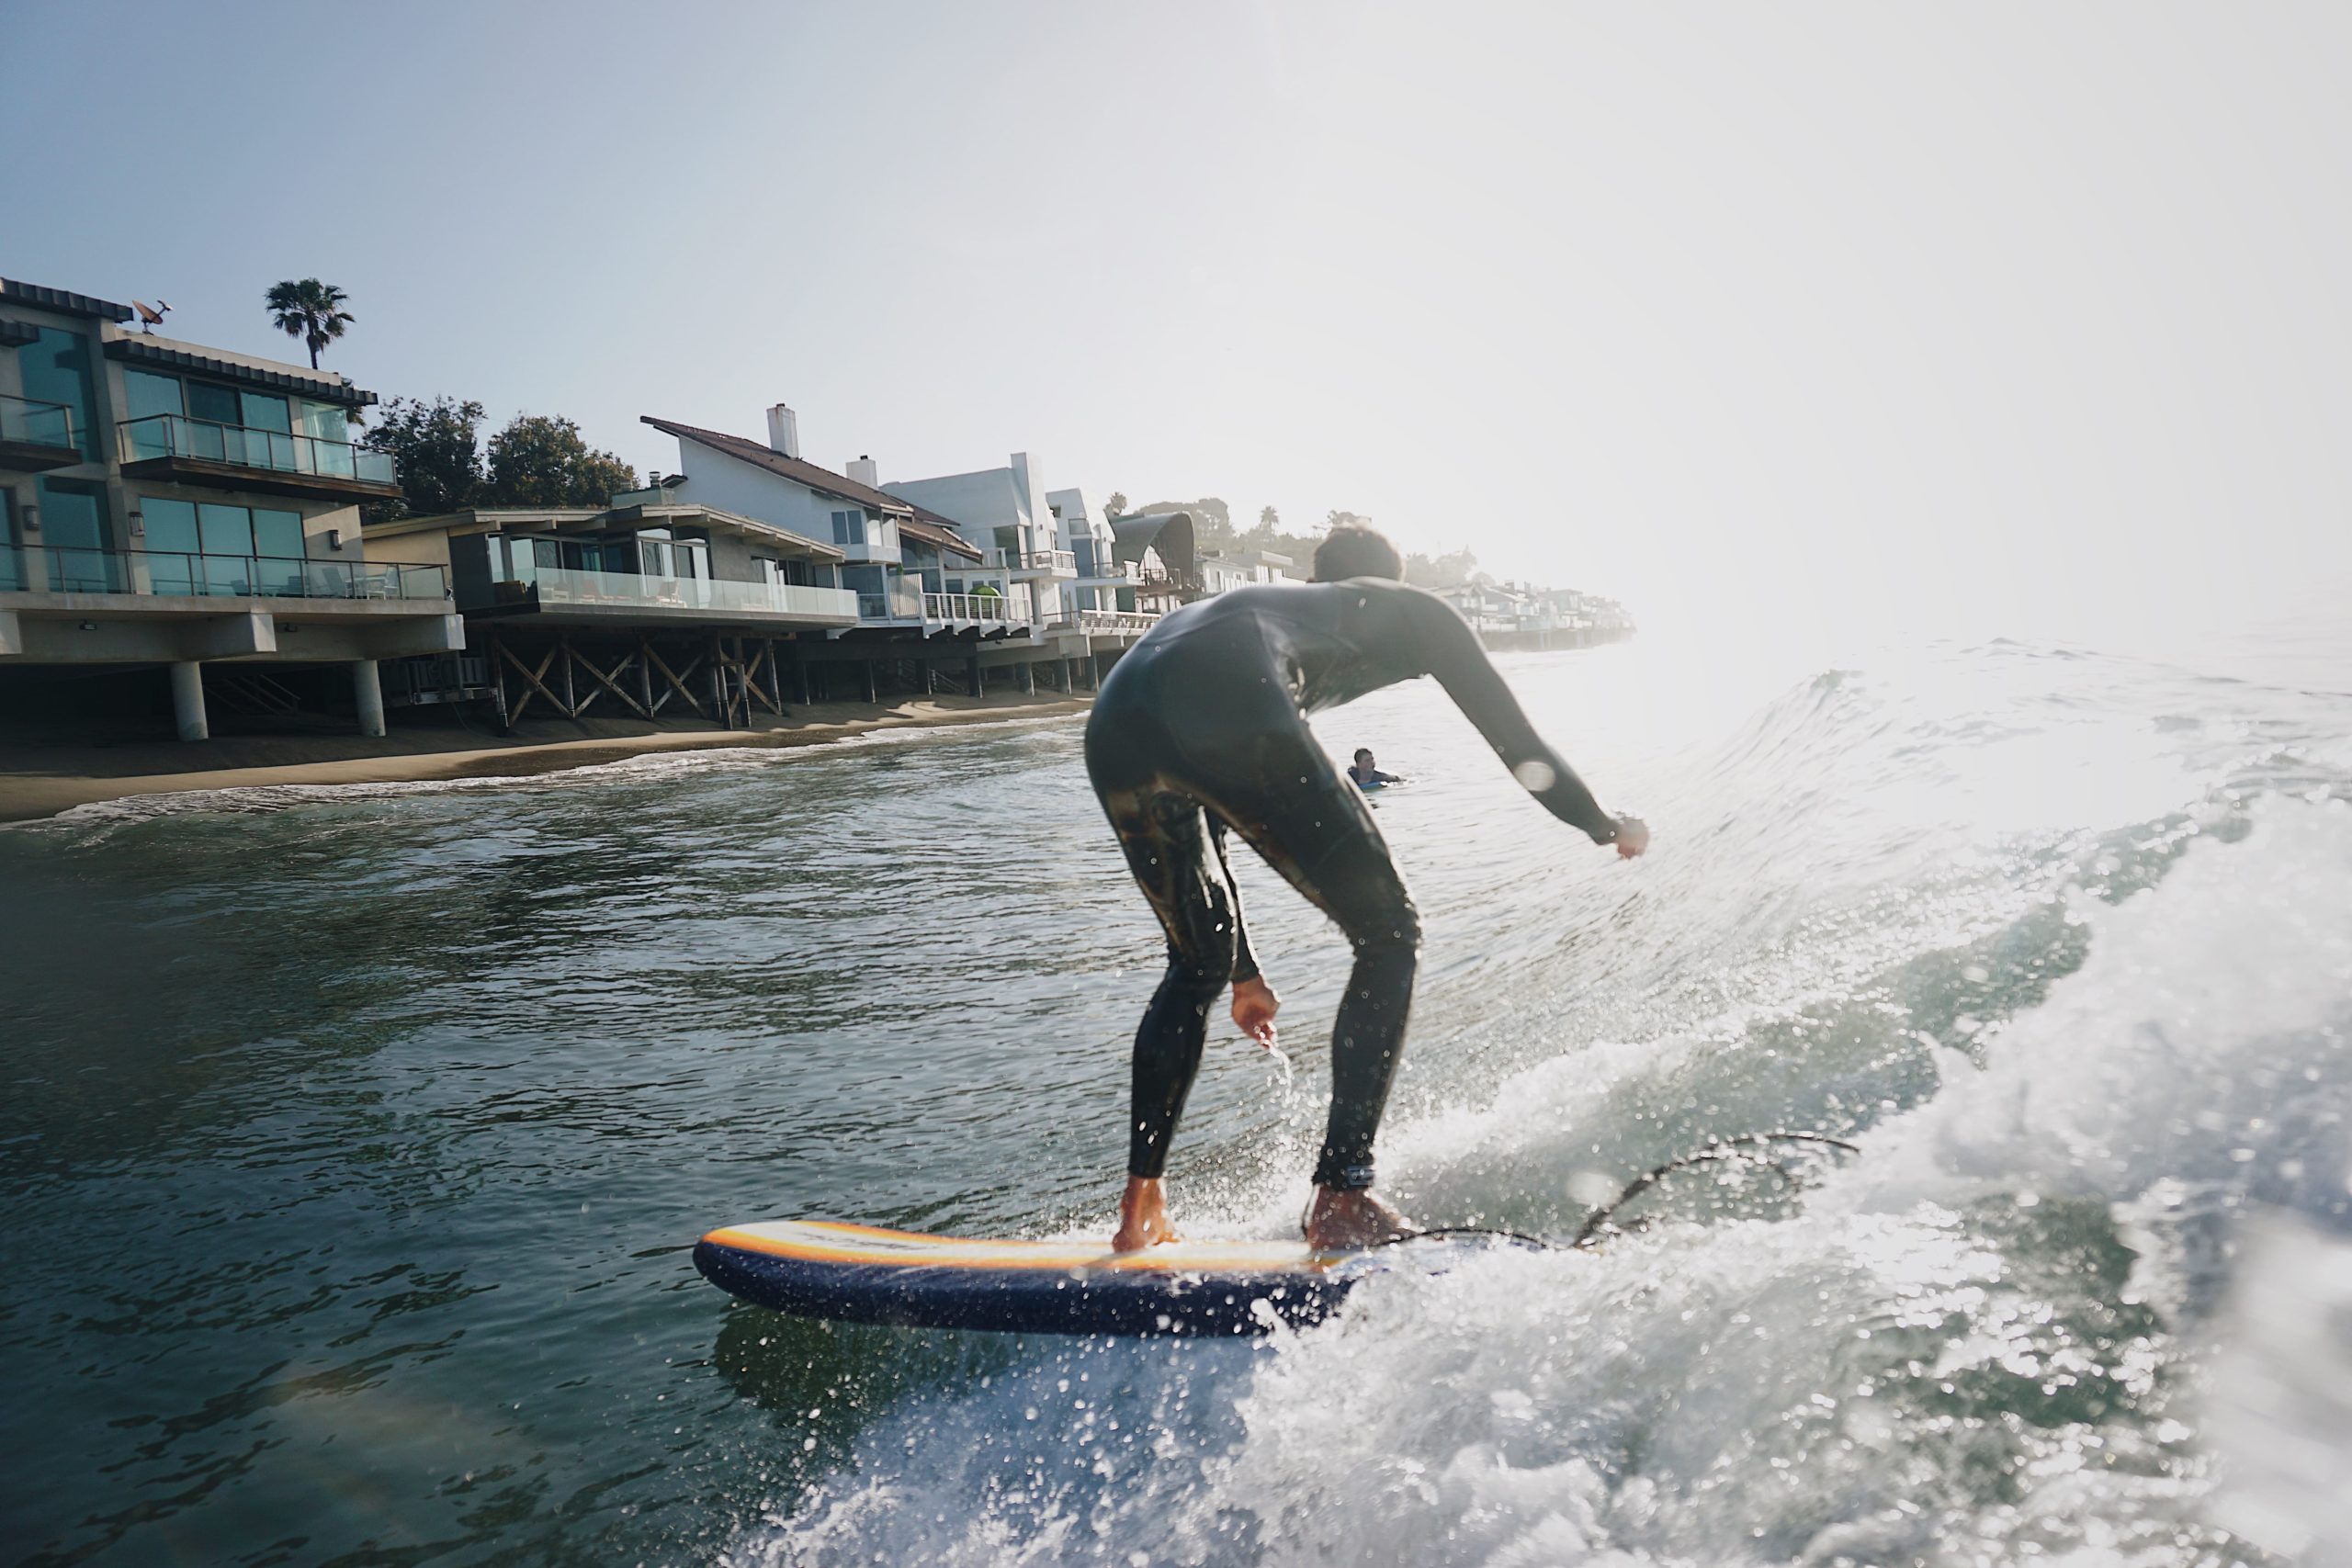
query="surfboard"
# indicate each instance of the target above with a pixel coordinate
(861, 1274)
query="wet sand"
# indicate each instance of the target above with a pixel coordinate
(41, 780)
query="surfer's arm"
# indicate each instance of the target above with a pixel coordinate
(1451, 653)
(1254, 1002)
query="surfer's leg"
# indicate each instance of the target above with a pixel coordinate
(1359, 887)
(1321, 837)
(1166, 840)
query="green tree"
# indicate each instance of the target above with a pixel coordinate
(541, 460)
(1269, 519)
(1116, 506)
(1449, 570)
(311, 310)
(437, 446)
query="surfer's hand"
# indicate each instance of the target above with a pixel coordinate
(1254, 1005)
(1632, 837)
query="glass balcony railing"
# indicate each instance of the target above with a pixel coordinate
(39, 568)
(35, 424)
(1061, 562)
(902, 602)
(173, 436)
(568, 585)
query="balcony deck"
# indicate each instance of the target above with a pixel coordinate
(78, 606)
(270, 462)
(35, 436)
(554, 594)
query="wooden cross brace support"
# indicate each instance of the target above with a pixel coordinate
(610, 682)
(677, 682)
(537, 685)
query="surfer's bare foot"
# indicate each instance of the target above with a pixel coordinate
(1342, 1220)
(1143, 1216)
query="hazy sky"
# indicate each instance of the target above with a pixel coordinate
(2026, 317)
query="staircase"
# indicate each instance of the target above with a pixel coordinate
(248, 693)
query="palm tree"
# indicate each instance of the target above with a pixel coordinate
(311, 310)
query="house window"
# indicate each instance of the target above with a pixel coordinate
(213, 403)
(56, 370)
(148, 395)
(849, 527)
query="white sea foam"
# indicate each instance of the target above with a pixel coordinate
(1974, 1345)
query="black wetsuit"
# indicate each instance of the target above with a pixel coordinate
(1201, 727)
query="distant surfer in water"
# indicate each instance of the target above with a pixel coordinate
(1364, 775)
(1201, 727)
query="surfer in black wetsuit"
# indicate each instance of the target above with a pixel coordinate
(1365, 773)
(1202, 728)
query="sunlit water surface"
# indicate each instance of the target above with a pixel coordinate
(355, 1141)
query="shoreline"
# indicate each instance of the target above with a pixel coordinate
(39, 781)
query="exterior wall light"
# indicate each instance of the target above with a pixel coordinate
(31, 515)
(334, 538)
(137, 524)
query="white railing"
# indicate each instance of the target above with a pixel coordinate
(1117, 621)
(1014, 608)
(569, 585)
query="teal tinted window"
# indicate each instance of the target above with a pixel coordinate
(74, 526)
(207, 400)
(171, 524)
(277, 533)
(172, 545)
(147, 394)
(57, 370)
(265, 410)
(225, 530)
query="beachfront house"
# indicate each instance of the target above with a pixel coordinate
(1002, 513)
(945, 597)
(1101, 575)
(180, 518)
(1222, 570)
(1160, 547)
(654, 605)
(1508, 615)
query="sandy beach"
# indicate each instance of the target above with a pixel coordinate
(40, 780)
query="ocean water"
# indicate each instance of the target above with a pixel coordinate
(354, 1143)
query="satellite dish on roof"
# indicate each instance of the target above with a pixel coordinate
(151, 316)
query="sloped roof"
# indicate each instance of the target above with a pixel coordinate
(140, 351)
(62, 300)
(934, 530)
(824, 481)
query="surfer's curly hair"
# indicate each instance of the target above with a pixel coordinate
(1357, 549)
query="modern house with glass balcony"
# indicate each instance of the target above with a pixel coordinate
(1104, 584)
(191, 514)
(1004, 514)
